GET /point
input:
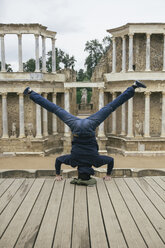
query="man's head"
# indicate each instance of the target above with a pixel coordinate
(84, 173)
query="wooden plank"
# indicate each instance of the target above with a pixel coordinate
(113, 230)
(163, 178)
(2, 180)
(14, 204)
(129, 228)
(152, 195)
(5, 185)
(150, 210)
(148, 232)
(155, 187)
(64, 224)
(80, 237)
(46, 232)
(8, 195)
(30, 230)
(159, 181)
(10, 236)
(96, 226)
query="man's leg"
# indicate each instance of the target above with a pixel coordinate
(103, 113)
(66, 117)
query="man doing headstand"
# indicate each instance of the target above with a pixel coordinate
(84, 152)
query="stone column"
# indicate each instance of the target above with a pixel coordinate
(130, 118)
(66, 107)
(21, 116)
(53, 56)
(123, 118)
(37, 52)
(163, 115)
(113, 116)
(67, 136)
(45, 118)
(148, 52)
(3, 68)
(4, 116)
(147, 114)
(101, 105)
(54, 117)
(38, 121)
(130, 52)
(164, 54)
(114, 55)
(43, 54)
(123, 54)
(20, 69)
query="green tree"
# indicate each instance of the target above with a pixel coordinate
(96, 50)
(29, 66)
(8, 67)
(61, 58)
(82, 76)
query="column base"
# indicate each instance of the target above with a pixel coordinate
(21, 136)
(130, 136)
(45, 134)
(123, 133)
(147, 136)
(5, 137)
(102, 143)
(38, 137)
(66, 144)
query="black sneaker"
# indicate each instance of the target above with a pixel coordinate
(27, 91)
(139, 84)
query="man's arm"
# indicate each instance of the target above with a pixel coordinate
(58, 169)
(109, 171)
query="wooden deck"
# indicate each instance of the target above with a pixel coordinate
(42, 213)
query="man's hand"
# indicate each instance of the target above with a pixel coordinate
(58, 178)
(107, 178)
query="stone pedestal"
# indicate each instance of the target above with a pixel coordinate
(66, 144)
(102, 143)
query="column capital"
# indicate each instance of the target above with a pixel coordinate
(101, 88)
(36, 35)
(20, 94)
(131, 35)
(19, 35)
(148, 35)
(163, 93)
(123, 37)
(45, 94)
(66, 89)
(2, 35)
(113, 38)
(4, 94)
(147, 93)
(54, 93)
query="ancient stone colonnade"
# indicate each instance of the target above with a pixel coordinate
(137, 53)
(21, 29)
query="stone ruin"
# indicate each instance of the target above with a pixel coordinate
(136, 128)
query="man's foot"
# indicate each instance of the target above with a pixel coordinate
(139, 84)
(27, 91)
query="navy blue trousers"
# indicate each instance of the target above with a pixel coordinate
(84, 127)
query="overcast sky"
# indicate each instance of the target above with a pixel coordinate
(75, 21)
